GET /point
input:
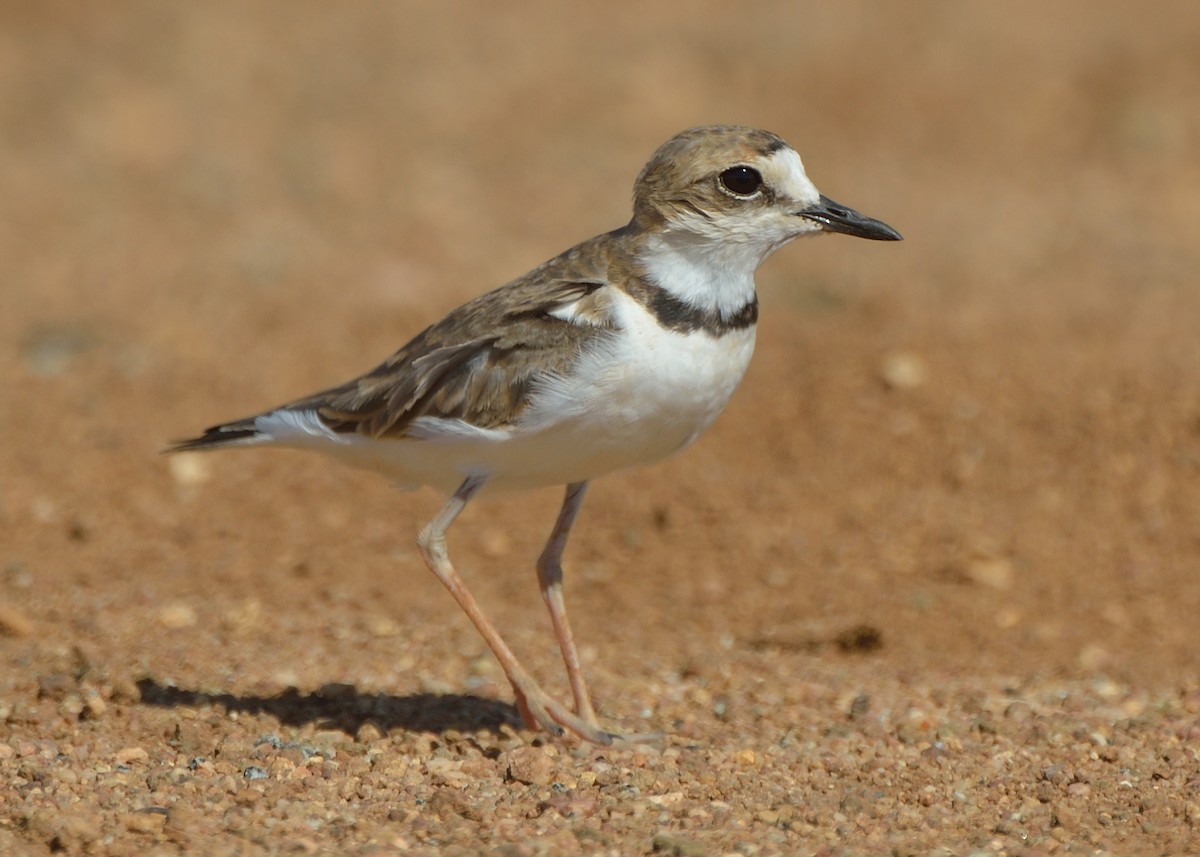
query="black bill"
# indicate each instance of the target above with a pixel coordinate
(835, 217)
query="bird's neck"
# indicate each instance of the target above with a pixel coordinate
(700, 271)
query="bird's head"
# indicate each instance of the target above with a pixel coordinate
(744, 186)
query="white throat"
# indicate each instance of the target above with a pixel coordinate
(703, 272)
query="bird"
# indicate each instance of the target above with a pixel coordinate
(618, 352)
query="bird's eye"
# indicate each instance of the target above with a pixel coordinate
(743, 181)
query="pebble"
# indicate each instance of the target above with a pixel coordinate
(94, 705)
(746, 757)
(14, 623)
(190, 469)
(177, 615)
(72, 705)
(368, 733)
(531, 765)
(668, 799)
(130, 755)
(384, 626)
(993, 572)
(244, 616)
(903, 370)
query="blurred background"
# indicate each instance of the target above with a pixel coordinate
(983, 444)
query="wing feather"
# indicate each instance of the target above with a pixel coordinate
(477, 365)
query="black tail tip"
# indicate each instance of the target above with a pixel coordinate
(213, 438)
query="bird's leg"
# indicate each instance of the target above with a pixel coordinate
(538, 708)
(550, 577)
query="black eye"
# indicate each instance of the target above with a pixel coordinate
(743, 181)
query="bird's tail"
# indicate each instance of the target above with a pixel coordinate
(239, 433)
(286, 426)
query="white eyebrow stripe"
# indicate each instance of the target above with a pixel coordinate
(784, 171)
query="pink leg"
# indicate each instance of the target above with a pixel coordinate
(550, 577)
(537, 707)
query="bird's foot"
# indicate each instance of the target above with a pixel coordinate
(539, 710)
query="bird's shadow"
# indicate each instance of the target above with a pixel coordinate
(343, 707)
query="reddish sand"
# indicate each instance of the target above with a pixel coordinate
(932, 582)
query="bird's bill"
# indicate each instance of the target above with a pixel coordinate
(835, 217)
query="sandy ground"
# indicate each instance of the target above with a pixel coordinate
(930, 586)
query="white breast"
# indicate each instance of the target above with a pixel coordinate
(646, 393)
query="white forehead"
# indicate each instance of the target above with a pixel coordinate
(783, 171)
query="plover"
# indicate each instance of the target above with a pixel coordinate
(618, 352)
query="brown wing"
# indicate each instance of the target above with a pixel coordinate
(477, 364)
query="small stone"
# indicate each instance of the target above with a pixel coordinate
(131, 755)
(669, 799)
(745, 757)
(451, 802)
(14, 623)
(768, 816)
(993, 572)
(94, 705)
(484, 667)
(530, 765)
(190, 469)
(71, 705)
(1133, 707)
(280, 767)
(177, 615)
(244, 617)
(368, 733)
(903, 370)
(383, 626)
(860, 706)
